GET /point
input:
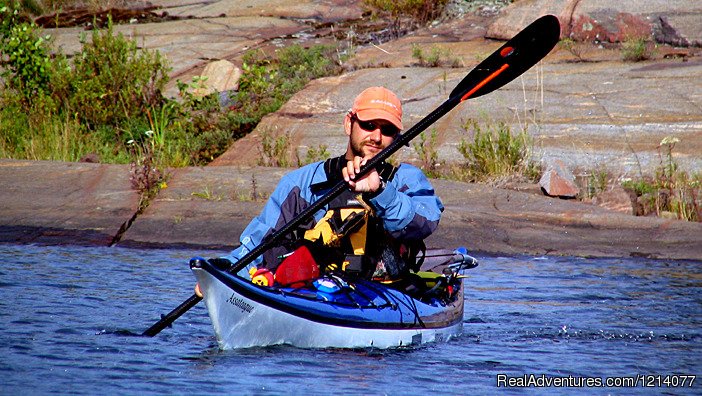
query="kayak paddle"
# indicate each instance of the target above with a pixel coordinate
(512, 59)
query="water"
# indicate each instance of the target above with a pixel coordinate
(70, 319)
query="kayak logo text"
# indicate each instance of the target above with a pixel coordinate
(239, 303)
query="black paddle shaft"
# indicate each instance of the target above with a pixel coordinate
(507, 63)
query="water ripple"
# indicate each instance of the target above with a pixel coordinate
(73, 328)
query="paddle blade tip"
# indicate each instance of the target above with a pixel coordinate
(519, 54)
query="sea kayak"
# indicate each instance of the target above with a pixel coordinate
(337, 311)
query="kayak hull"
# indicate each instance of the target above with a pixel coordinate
(372, 315)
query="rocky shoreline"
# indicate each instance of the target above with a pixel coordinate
(56, 203)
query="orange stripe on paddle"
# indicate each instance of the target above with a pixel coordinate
(485, 81)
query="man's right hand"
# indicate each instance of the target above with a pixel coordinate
(369, 183)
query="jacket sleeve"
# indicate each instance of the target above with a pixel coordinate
(263, 224)
(408, 206)
(289, 198)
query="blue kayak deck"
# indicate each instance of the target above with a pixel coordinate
(359, 304)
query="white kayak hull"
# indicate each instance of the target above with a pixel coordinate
(240, 322)
(246, 315)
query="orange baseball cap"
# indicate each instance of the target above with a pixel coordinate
(378, 103)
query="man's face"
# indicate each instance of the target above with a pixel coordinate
(368, 138)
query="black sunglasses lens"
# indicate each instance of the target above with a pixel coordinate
(387, 130)
(367, 125)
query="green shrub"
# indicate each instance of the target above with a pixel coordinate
(198, 128)
(110, 93)
(495, 153)
(639, 187)
(112, 80)
(304, 64)
(593, 182)
(98, 100)
(275, 150)
(26, 58)
(428, 156)
(315, 154)
(267, 82)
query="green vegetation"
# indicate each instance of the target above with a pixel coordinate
(428, 156)
(495, 154)
(106, 103)
(207, 194)
(422, 11)
(55, 109)
(436, 58)
(315, 154)
(671, 190)
(636, 49)
(111, 81)
(405, 14)
(575, 48)
(268, 82)
(596, 182)
(275, 150)
(110, 93)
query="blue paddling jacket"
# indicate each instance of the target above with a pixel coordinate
(407, 206)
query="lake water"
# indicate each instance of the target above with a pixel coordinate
(70, 319)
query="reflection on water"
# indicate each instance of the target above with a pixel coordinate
(70, 319)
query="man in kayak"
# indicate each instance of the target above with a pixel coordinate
(374, 229)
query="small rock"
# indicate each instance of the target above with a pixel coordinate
(221, 76)
(558, 181)
(91, 158)
(616, 199)
(664, 214)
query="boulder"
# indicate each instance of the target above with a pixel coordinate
(558, 181)
(616, 199)
(674, 22)
(219, 76)
(609, 26)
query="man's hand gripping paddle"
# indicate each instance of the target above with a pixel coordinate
(507, 63)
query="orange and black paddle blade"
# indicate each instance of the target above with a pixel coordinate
(515, 57)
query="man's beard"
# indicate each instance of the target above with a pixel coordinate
(357, 149)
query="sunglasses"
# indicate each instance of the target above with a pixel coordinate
(385, 129)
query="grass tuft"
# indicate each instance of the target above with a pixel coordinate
(671, 191)
(496, 154)
(636, 49)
